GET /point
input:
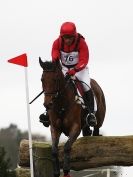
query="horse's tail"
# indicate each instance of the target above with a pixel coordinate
(101, 103)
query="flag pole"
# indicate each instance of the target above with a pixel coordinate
(22, 61)
(108, 172)
(29, 122)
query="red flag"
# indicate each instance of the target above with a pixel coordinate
(19, 60)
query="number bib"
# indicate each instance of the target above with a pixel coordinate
(70, 58)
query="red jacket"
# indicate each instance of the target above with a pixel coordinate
(81, 47)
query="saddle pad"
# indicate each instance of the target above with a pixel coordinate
(80, 91)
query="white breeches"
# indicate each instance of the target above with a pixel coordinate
(82, 75)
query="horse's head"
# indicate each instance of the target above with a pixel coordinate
(50, 81)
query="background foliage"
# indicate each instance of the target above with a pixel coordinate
(10, 138)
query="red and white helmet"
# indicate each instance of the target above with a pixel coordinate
(68, 28)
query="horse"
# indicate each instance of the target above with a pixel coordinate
(66, 115)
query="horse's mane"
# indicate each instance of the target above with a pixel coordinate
(48, 65)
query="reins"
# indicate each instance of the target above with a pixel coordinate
(74, 81)
(40, 95)
(37, 97)
(47, 93)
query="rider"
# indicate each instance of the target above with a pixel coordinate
(70, 47)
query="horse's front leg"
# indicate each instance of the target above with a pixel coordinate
(67, 149)
(55, 141)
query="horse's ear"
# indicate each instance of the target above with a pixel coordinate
(41, 62)
(57, 64)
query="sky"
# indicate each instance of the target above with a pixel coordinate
(31, 27)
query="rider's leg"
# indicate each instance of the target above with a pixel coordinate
(89, 101)
(88, 96)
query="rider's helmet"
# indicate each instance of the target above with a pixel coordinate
(68, 28)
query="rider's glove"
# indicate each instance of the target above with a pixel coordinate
(67, 76)
(71, 72)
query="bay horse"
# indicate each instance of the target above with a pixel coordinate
(66, 115)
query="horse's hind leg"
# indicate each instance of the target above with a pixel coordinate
(55, 159)
(86, 131)
(96, 131)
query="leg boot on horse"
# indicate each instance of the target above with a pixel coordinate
(89, 101)
(44, 118)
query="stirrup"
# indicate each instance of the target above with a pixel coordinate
(91, 120)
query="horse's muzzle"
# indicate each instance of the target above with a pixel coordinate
(48, 105)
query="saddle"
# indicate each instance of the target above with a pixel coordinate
(81, 93)
(79, 87)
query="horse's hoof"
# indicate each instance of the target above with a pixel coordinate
(67, 176)
(56, 175)
(86, 131)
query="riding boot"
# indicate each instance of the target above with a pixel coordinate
(44, 118)
(89, 102)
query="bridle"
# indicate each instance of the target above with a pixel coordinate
(58, 91)
(55, 94)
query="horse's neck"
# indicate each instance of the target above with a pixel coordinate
(67, 89)
(70, 92)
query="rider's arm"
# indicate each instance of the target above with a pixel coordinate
(83, 55)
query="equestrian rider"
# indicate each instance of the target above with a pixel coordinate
(71, 49)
